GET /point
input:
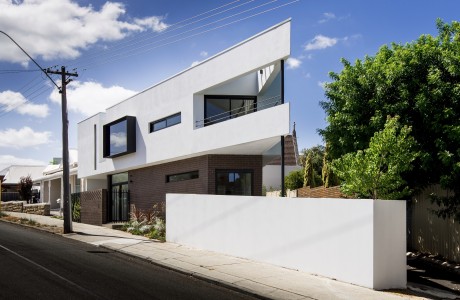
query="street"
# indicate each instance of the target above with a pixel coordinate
(40, 265)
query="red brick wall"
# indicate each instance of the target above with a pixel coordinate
(320, 192)
(93, 207)
(148, 185)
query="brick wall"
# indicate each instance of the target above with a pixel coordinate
(93, 207)
(148, 186)
(320, 192)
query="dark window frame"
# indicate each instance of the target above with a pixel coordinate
(165, 119)
(207, 120)
(192, 175)
(250, 171)
(130, 137)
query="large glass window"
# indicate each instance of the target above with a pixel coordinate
(165, 122)
(234, 182)
(120, 137)
(221, 108)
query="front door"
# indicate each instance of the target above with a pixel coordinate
(119, 198)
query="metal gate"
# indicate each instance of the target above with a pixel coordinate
(118, 206)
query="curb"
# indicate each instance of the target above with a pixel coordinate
(209, 279)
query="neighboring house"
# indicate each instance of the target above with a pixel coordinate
(11, 175)
(272, 170)
(50, 180)
(207, 130)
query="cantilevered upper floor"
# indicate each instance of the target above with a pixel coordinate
(231, 103)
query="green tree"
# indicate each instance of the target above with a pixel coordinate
(312, 162)
(420, 82)
(327, 176)
(25, 188)
(376, 172)
(294, 180)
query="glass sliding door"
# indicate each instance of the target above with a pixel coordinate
(222, 108)
(234, 182)
(119, 198)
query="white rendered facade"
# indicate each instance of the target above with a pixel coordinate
(252, 68)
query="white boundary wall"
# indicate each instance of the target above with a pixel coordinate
(357, 241)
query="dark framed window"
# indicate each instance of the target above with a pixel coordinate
(119, 137)
(218, 108)
(182, 176)
(234, 182)
(165, 122)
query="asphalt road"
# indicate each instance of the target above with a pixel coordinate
(40, 265)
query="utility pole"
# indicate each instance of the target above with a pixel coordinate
(65, 146)
(65, 130)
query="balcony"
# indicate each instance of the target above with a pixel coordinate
(223, 108)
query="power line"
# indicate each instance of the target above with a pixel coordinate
(184, 32)
(130, 53)
(17, 71)
(147, 35)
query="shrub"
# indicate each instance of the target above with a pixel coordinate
(25, 188)
(294, 180)
(147, 223)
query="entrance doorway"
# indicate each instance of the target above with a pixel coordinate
(118, 207)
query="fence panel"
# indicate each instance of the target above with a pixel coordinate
(431, 234)
(10, 196)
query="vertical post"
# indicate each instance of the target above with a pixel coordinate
(65, 156)
(65, 147)
(283, 188)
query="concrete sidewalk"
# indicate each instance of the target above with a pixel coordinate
(261, 279)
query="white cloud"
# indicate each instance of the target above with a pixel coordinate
(293, 63)
(321, 42)
(327, 16)
(89, 98)
(54, 29)
(155, 23)
(10, 101)
(195, 63)
(118, 139)
(24, 137)
(8, 160)
(203, 53)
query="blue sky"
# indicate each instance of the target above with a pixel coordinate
(120, 48)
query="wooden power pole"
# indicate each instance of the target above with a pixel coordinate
(65, 146)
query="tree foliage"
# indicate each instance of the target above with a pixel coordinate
(376, 172)
(294, 180)
(312, 162)
(25, 187)
(420, 82)
(327, 175)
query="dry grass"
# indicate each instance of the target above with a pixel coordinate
(31, 223)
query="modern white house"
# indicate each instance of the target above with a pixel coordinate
(209, 129)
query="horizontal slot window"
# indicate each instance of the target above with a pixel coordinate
(165, 122)
(182, 176)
